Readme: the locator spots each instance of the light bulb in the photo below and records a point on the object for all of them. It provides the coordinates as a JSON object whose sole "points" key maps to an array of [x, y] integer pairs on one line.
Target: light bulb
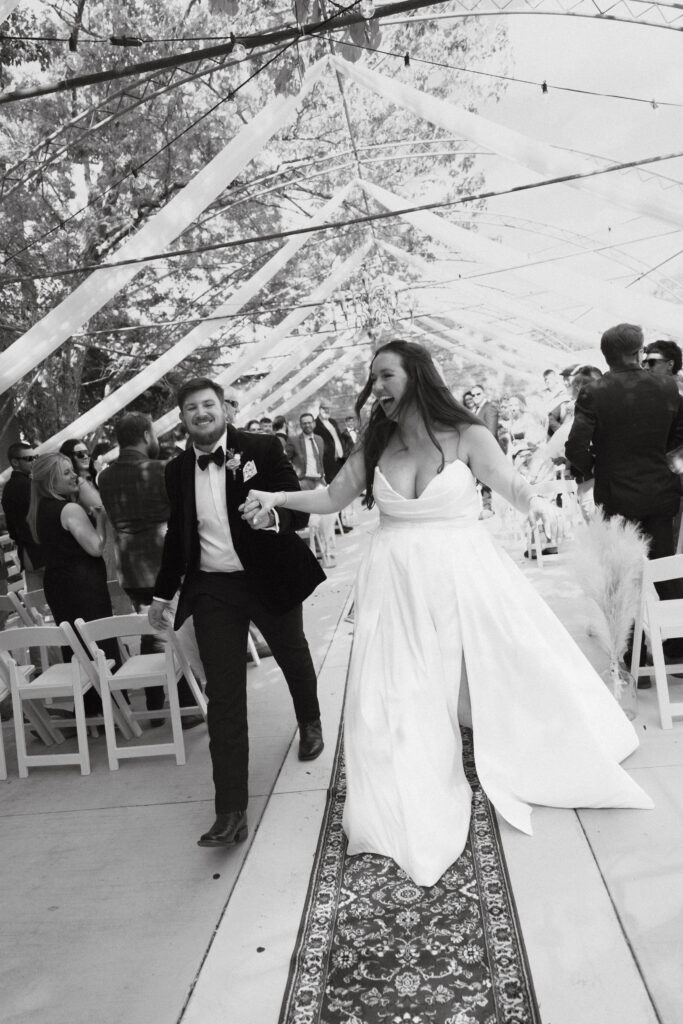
{"points": [[239, 52], [73, 61], [367, 8]]}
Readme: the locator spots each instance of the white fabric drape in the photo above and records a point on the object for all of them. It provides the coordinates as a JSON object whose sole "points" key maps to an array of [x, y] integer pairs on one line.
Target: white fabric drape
{"points": [[196, 338], [543, 160], [344, 360], [155, 236], [286, 392], [471, 345], [460, 290], [283, 330], [612, 301]]}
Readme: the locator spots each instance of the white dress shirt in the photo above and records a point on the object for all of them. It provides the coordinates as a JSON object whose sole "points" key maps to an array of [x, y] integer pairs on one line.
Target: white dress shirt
{"points": [[313, 468], [217, 551]]}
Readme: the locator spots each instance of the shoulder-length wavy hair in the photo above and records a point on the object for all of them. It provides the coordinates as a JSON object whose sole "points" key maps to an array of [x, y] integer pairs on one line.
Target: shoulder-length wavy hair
{"points": [[44, 482], [425, 389]]}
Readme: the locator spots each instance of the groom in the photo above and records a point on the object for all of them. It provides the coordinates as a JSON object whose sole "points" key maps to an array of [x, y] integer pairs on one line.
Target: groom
{"points": [[229, 574]]}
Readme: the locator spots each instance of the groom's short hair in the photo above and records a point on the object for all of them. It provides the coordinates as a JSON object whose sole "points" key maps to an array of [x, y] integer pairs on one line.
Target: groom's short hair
{"points": [[197, 384]]}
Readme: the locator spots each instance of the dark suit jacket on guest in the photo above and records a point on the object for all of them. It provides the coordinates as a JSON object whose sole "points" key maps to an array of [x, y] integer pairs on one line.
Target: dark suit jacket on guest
{"points": [[15, 501], [133, 492], [331, 462], [624, 424], [281, 566], [296, 452], [488, 414]]}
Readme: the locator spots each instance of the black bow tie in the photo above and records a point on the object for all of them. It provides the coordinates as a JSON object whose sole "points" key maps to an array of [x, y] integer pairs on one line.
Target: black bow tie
{"points": [[218, 457]]}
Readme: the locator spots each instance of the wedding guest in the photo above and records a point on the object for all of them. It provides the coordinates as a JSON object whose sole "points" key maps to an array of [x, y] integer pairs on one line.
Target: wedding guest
{"points": [[134, 496], [330, 432], [72, 541], [16, 497], [665, 359]]}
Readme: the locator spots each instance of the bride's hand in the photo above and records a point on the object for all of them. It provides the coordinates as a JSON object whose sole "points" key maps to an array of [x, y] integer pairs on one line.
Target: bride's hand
{"points": [[547, 514]]}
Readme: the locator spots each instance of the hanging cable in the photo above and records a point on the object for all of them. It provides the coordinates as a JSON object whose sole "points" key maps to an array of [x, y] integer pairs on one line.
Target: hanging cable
{"points": [[335, 225]]}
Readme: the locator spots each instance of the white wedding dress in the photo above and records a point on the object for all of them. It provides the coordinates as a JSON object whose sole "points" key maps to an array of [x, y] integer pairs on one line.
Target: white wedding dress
{"points": [[433, 587]]}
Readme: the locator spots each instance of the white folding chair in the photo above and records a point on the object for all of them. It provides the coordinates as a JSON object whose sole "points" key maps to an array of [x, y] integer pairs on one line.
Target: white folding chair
{"points": [[657, 621], [138, 671], [29, 691], [19, 615], [566, 491]]}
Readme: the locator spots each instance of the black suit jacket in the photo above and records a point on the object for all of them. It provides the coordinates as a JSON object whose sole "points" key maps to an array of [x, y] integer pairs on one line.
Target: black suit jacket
{"points": [[624, 424], [133, 493], [282, 567], [16, 496], [331, 462]]}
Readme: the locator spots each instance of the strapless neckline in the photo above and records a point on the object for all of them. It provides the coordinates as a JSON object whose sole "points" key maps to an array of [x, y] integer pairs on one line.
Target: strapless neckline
{"points": [[428, 484]]}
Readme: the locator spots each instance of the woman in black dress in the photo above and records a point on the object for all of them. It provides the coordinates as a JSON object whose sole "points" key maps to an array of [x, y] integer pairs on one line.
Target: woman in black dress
{"points": [[75, 581]]}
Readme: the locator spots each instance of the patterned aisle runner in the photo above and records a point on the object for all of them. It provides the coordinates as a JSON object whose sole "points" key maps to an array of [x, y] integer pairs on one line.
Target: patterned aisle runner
{"points": [[374, 948]]}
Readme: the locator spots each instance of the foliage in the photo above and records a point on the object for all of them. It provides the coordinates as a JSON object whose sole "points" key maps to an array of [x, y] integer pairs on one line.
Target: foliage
{"points": [[70, 197]]}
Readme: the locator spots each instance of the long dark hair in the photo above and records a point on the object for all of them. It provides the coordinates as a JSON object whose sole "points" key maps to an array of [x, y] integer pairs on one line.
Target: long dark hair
{"points": [[426, 389]]}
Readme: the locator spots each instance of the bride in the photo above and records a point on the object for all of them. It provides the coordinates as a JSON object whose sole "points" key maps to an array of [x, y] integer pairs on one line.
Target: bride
{"points": [[440, 607]]}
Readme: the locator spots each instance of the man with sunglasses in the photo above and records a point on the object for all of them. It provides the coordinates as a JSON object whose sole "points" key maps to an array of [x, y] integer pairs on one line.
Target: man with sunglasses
{"points": [[664, 359], [15, 500], [624, 425]]}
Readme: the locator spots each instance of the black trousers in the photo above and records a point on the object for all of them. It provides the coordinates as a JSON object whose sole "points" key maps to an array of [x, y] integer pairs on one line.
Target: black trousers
{"points": [[223, 605], [141, 597]]}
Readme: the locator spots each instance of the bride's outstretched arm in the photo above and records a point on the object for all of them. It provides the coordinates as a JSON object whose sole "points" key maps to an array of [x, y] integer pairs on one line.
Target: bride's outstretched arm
{"points": [[347, 485], [481, 451]]}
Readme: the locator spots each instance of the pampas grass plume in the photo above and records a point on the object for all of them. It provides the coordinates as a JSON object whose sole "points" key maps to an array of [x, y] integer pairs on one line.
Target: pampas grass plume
{"points": [[608, 558]]}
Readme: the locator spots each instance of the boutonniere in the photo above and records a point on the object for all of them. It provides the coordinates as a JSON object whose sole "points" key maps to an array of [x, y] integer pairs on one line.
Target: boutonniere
{"points": [[233, 461]]}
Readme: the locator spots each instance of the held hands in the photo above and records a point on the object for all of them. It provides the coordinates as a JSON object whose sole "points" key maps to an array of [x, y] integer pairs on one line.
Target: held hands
{"points": [[257, 510], [158, 616], [545, 513]]}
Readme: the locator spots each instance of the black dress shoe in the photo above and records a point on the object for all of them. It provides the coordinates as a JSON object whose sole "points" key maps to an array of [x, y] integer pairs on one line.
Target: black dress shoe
{"points": [[227, 829], [311, 740]]}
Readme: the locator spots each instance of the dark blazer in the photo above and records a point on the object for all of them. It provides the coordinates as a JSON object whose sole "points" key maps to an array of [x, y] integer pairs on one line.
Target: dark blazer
{"points": [[488, 414], [296, 452], [624, 424], [281, 565], [16, 496], [133, 492], [331, 462]]}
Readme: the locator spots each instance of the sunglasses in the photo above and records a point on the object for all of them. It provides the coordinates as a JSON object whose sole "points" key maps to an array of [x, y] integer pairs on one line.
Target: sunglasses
{"points": [[81, 455], [652, 361], [27, 458]]}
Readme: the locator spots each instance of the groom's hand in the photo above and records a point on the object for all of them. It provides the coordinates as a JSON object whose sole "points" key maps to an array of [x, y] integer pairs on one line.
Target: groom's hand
{"points": [[157, 615]]}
